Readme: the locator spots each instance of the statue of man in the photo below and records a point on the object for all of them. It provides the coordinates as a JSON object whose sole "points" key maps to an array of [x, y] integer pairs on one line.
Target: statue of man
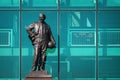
{"points": [[41, 36]]}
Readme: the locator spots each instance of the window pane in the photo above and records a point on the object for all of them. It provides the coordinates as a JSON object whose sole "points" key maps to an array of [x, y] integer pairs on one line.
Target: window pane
{"points": [[28, 49], [109, 45], [40, 4], [109, 4], [9, 4], [77, 48], [77, 4], [9, 45], [109, 19]]}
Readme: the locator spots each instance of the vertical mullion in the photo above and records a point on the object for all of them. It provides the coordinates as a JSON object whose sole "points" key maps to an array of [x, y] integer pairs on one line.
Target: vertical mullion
{"points": [[97, 40], [58, 39], [20, 39]]}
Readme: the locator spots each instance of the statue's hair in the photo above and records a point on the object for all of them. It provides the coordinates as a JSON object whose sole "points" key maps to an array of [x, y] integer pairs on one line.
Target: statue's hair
{"points": [[42, 15]]}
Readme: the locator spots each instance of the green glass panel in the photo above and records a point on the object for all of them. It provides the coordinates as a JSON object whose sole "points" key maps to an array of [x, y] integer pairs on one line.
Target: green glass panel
{"points": [[109, 20], [109, 42], [40, 4], [77, 4], [109, 4], [9, 45], [9, 4], [77, 46]]}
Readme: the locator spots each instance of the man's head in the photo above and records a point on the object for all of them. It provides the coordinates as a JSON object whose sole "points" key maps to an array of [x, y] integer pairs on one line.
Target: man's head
{"points": [[42, 17]]}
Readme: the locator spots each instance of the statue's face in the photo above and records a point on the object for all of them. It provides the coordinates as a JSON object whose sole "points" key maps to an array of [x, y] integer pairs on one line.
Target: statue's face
{"points": [[42, 18]]}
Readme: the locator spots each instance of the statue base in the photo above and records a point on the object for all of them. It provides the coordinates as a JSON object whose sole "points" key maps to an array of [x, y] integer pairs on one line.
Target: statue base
{"points": [[38, 75]]}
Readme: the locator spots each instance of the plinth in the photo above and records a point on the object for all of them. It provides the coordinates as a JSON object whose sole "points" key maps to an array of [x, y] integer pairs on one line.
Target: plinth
{"points": [[38, 75]]}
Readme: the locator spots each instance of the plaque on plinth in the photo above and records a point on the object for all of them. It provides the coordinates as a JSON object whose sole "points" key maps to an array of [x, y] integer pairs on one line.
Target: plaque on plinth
{"points": [[38, 75]]}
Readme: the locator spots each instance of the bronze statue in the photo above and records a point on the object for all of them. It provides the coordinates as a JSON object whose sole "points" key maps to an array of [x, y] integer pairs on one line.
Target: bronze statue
{"points": [[41, 36]]}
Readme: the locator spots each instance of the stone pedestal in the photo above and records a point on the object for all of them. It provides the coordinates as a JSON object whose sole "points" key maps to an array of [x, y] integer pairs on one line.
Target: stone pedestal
{"points": [[38, 75]]}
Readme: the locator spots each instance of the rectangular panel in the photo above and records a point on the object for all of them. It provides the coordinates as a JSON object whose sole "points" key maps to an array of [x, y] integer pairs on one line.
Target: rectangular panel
{"points": [[5, 37], [110, 38], [82, 38]]}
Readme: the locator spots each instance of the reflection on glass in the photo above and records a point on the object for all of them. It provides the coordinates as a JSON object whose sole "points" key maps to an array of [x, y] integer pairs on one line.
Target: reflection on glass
{"points": [[77, 45], [7, 4], [109, 4], [80, 19], [77, 4], [109, 44], [41, 4], [9, 45]]}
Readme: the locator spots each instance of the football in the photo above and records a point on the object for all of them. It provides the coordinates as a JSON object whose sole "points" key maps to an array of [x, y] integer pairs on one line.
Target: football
{"points": [[51, 44]]}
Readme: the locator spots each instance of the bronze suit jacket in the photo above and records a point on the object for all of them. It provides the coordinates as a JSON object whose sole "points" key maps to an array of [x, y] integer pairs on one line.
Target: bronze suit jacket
{"points": [[33, 31]]}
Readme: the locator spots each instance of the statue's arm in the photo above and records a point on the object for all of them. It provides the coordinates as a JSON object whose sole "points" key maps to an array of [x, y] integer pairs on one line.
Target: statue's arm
{"points": [[29, 29]]}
